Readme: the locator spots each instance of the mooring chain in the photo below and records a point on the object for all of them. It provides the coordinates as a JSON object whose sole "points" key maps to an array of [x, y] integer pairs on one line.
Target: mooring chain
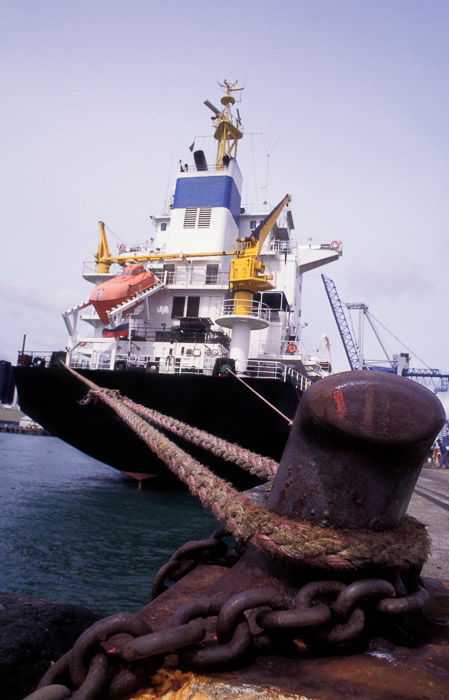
{"points": [[209, 551], [118, 654]]}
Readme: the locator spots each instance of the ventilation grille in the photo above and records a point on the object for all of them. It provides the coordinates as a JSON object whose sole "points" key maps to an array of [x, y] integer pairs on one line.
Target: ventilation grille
{"points": [[190, 217], [197, 217], [204, 217]]}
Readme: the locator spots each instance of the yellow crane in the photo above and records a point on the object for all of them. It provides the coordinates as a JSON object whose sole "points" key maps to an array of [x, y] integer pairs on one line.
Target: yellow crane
{"points": [[247, 274], [104, 259]]}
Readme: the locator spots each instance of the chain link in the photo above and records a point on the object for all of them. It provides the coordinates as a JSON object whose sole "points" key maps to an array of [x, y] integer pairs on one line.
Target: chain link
{"points": [[118, 654], [209, 551]]}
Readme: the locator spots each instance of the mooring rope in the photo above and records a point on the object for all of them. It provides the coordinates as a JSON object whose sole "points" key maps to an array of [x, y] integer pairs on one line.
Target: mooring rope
{"points": [[256, 464], [398, 548], [259, 396]]}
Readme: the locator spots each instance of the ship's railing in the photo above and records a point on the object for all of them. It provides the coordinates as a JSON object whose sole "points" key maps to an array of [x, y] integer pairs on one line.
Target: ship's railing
{"points": [[275, 246], [272, 369], [41, 358], [89, 268], [242, 307], [139, 331], [210, 168], [81, 362], [308, 243], [193, 275], [167, 364], [172, 274]]}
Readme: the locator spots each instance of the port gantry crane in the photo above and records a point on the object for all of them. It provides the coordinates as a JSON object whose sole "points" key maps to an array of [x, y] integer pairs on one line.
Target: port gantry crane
{"points": [[354, 349]]}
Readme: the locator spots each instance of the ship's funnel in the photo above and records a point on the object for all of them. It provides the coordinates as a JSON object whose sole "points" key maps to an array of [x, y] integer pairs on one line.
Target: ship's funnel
{"points": [[200, 160]]}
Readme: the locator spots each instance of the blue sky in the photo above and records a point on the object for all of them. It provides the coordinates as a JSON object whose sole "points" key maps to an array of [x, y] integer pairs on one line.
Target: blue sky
{"points": [[101, 99]]}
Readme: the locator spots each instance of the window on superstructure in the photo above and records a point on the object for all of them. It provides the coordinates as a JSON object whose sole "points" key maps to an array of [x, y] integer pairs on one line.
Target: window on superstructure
{"points": [[163, 226], [183, 306], [211, 274], [204, 217], [190, 217], [169, 270], [178, 307], [253, 224], [193, 306]]}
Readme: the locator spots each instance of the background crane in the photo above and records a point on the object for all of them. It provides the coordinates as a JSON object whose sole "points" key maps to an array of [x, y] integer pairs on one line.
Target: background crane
{"points": [[354, 349]]}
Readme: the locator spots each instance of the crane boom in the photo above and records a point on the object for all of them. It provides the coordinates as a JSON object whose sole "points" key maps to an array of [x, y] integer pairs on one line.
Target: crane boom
{"points": [[349, 344], [353, 351]]}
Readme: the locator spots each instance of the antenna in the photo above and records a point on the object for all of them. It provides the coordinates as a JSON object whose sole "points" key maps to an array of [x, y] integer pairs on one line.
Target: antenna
{"points": [[212, 108]]}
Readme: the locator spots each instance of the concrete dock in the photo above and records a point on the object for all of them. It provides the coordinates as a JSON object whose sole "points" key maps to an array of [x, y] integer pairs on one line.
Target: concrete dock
{"points": [[430, 504]]}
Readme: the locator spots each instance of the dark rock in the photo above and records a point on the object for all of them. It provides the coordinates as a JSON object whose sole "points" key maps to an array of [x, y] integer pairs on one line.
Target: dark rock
{"points": [[33, 633]]}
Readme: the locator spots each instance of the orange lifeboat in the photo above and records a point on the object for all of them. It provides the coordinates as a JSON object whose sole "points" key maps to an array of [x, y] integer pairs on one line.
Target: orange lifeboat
{"points": [[132, 280]]}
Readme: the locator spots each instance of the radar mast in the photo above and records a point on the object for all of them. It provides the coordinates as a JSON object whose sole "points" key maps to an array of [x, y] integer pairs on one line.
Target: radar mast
{"points": [[227, 125]]}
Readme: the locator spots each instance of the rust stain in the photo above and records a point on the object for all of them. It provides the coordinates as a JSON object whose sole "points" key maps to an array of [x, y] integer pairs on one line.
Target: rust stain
{"points": [[340, 404], [176, 685]]}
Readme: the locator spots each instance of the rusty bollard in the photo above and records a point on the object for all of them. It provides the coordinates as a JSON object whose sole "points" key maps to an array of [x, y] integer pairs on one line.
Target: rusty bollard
{"points": [[354, 454], [356, 450]]}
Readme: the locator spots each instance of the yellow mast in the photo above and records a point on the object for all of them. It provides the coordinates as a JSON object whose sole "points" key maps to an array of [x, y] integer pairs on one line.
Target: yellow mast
{"points": [[227, 127], [103, 252]]}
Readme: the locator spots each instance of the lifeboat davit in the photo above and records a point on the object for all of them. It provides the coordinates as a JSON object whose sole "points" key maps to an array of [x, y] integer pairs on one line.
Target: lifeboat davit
{"points": [[131, 281]]}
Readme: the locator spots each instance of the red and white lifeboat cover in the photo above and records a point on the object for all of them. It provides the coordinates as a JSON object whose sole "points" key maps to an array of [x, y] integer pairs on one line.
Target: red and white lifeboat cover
{"points": [[106, 295]]}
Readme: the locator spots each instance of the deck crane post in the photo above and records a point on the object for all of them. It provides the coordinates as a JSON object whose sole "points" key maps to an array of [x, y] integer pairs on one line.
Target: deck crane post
{"points": [[103, 253], [247, 276]]}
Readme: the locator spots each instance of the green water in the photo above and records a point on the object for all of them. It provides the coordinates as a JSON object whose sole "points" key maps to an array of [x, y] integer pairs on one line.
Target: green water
{"points": [[76, 531]]}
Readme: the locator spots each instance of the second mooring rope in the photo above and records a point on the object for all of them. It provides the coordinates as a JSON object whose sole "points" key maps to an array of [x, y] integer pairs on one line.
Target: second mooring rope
{"points": [[399, 548], [263, 467]]}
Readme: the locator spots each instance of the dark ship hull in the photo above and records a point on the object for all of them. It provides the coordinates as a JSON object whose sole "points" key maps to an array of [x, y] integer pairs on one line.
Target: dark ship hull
{"points": [[219, 405]]}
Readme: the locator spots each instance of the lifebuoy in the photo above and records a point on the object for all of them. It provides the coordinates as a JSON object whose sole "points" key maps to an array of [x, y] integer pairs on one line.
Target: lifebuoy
{"points": [[81, 345], [291, 348], [335, 245], [122, 248]]}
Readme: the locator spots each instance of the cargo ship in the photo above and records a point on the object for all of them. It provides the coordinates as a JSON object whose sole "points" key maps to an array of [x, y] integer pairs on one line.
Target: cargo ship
{"points": [[202, 322]]}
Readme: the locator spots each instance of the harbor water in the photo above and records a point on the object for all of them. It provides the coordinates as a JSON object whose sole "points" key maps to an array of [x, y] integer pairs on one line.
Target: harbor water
{"points": [[76, 531]]}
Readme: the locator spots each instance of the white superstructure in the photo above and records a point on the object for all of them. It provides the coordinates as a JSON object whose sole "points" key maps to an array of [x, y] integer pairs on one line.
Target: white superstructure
{"points": [[196, 318]]}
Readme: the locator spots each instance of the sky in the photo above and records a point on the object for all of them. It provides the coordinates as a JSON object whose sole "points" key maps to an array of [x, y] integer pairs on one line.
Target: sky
{"points": [[345, 107]]}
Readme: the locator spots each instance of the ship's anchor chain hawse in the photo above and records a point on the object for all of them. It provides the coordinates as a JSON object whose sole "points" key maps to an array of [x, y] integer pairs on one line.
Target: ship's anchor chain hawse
{"points": [[323, 559]]}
